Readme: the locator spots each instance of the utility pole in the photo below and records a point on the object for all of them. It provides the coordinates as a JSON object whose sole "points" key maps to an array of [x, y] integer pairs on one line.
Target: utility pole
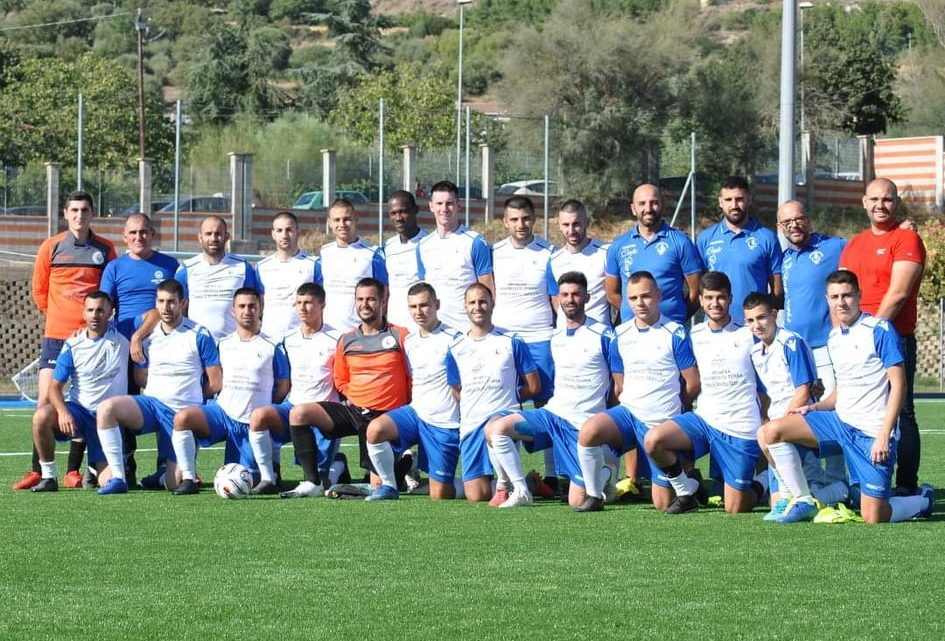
{"points": [[140, 27]]}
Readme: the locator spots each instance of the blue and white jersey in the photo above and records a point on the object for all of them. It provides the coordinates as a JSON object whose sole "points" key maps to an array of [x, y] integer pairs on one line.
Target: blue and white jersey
{"points": [[522, 300], [582, 371], [651, 359], [132, 284], [749, 257], [590, 261], [452, 263], [431, 393], [401, 262], [342, 268], [278, 282], [311, 359], [729, 397], [782, 367], [209, 290], [176, 361], [861, 354], [670, 256], [97, 367], [804, 273], [488, 369], [250, 371]]}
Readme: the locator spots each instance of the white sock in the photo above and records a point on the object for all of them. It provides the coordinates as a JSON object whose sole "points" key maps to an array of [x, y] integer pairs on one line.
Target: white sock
{"points": [[782, 489], [683, 485], [506, 454], [49, 470], [335, 471], [382, 456], [501, 477], [185, 449], [761, 478], [788, 462], [830, 494], [907, 507], [592, 461], [112, 446], [550, 467], [262, 451], [603, 478]]}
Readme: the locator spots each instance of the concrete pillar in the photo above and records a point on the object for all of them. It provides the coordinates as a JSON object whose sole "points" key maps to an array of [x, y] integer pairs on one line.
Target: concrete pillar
{"points": [[488, 179], [939, 173], [144, 185], [410, 168], [867, 158], [328, 179], [807, 167], [52, 198], [241, 201]]}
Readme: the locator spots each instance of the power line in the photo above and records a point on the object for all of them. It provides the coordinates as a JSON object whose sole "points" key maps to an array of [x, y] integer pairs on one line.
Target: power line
{"points": [[61, 22]]}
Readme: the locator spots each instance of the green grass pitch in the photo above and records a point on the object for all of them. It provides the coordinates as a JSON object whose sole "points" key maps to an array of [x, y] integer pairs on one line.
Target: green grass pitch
{"points": [[147, 565]]}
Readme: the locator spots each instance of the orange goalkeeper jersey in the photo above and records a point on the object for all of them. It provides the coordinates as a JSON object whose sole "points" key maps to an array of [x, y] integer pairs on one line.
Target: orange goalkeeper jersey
{"points": [[371, 370]]}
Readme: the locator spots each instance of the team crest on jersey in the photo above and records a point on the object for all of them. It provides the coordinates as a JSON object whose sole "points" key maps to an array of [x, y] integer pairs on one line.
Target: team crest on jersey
{"points": [[98, 258], [816, 256], [752, 242], [881, 251], [883, 323], [791, 344], [627, 253], [159, 274], [662, 247], [388, 342]]}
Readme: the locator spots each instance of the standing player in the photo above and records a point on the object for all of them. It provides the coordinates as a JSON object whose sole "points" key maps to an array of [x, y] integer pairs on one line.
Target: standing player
{"points": [[96, 362], [582, 382], [579, 254], [400, 256], [182, 368], [432, 418], [255, 373], [889, 260], [665, 252], [344, 263], [370, 371], [68, 266], [655, 380], [453, 257], [280, 275], [486, 367], [311, 351], [860, 416], [727, 412], [743, 250]]}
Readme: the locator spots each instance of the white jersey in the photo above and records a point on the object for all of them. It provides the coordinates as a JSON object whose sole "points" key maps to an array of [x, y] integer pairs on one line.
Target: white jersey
{"points": [[861, 355], [782, 367], [342, 268], [209, 290], [488, 370], [651, 360], [176, 362], [522, 299], [591, 262], [311, 359], [431, 393], [450, 264], [582, 371], [97, 367], [401, 261], [729, 397], [279, 280], [250, 371]]}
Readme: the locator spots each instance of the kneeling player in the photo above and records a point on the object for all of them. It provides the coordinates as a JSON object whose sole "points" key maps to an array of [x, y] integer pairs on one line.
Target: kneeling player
{"points": [[96, 361], [860, 416]]}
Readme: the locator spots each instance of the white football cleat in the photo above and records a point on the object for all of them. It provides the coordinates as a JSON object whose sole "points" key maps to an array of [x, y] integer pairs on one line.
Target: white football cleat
{"points": [[303, 490], [518, 499]]}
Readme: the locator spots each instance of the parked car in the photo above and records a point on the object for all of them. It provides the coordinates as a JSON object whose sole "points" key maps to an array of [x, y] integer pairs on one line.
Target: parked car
{"points": [[475, 193], [134, 208], [216, 204], [316, 199], [527, 188], [25, 210]]}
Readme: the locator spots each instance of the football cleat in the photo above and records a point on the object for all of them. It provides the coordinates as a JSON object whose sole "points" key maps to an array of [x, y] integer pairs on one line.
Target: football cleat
{"points": [[72, 480], [46, 485], [590, 504], [501, 496], [114, 486], [778, 510], [518, 498], [264, 488], [29, 480], [683, 504], [187, 486], [303, 490], [383, 493], [800, 510], [927, 491]]}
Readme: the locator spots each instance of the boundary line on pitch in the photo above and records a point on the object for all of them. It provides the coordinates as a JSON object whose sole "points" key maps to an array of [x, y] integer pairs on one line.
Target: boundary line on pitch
{"points": [[213, 448]]}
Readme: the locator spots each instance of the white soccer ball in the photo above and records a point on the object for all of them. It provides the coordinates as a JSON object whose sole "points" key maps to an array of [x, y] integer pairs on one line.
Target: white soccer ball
{"points": [[232, 481]]}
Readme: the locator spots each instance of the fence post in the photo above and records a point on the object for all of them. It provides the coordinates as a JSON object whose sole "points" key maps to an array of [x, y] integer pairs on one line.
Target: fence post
{"points": [[410, 167], [144, 186], [328, 179], [241, 202], [867, 159], [52, 198], [488, 179]]}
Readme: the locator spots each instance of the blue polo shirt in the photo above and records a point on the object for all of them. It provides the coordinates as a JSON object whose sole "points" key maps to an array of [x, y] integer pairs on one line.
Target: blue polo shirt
{"points": [[132, 284], [670, 256], [805, 273], [748, 257]]}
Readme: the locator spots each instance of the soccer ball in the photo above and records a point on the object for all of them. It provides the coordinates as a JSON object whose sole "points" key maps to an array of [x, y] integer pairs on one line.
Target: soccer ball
{"points": [[232, 481]]}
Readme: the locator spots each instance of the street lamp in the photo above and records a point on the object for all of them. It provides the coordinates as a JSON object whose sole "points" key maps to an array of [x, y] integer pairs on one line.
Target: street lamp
{"points": [[459, 85], [141, 26]]}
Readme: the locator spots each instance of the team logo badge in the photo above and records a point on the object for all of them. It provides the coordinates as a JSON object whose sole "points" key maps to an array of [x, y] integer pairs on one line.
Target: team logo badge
{"points": [[98, 258], [159, 274], [752, 242], [388, 342], [816, 257], [661, 247]]}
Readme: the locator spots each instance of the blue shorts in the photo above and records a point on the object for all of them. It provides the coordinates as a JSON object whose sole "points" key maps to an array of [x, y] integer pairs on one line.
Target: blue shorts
{"points": [[875, 478], [50, 352], [541, 354], [632, 432], [235, 433], [736, 457], [550, 430], [86, 428], [439, 446], [325, 448], [158, 419], [475, 454]]}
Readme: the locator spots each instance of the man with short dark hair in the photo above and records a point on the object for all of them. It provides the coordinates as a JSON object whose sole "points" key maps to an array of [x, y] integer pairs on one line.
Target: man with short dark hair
{"points": [[400, 256], [583, 254]]}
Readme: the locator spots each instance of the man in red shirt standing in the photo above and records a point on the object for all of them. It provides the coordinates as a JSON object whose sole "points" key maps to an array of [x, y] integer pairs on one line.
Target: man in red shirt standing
{"points": [[889, 260]]}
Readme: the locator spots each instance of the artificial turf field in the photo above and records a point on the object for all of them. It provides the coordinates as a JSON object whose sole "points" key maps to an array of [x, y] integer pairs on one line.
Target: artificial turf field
{"points": [[148, 565]]}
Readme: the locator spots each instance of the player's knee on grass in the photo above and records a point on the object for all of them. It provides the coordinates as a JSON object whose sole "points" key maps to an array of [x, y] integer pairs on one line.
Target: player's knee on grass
{"points": [[737, 502], [478, 489], [442, 491], [576, 495], [661, 496], [875, 510]]}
